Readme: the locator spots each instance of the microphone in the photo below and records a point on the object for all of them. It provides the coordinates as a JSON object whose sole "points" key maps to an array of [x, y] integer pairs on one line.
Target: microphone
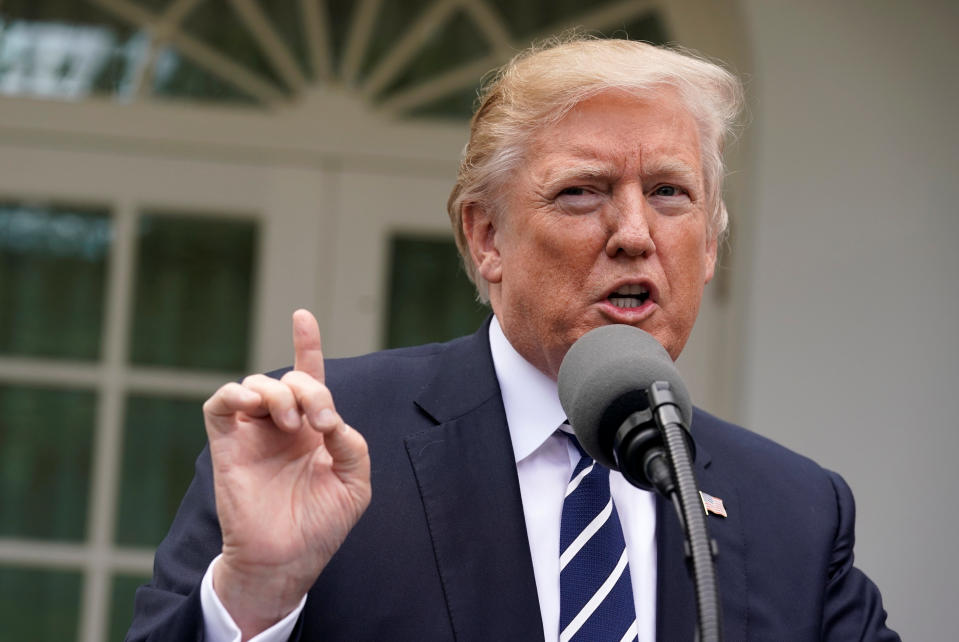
{"points": [[606, 386], [630, 411]]}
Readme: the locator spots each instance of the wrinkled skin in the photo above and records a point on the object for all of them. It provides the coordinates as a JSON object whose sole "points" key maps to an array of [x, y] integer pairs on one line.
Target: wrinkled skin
{"points": [[612, 195], [291, 479]]}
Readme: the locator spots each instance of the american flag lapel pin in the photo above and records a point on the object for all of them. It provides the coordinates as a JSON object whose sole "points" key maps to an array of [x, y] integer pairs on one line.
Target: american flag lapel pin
{"points": [[713, 505]]}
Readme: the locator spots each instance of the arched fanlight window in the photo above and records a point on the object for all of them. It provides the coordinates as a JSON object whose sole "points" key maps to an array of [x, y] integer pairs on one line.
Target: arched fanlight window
{"points": [[408, 58]]}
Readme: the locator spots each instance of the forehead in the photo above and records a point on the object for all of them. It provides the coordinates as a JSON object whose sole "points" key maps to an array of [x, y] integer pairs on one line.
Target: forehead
{"points": [[622, 132]]}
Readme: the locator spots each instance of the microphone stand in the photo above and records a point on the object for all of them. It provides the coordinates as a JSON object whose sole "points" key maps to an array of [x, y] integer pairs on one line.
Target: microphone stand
{"points": [[653, 449]]}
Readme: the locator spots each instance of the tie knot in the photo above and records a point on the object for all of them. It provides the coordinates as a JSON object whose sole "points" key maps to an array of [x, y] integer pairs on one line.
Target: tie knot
{"points": [[567, 431]]}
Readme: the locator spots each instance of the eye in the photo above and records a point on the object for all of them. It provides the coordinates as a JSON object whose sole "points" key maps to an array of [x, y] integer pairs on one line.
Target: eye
{"points": [[670, 199], [667, 190], [579, 199]]}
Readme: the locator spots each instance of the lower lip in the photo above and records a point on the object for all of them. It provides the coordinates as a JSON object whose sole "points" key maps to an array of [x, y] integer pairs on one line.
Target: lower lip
{"points": [[628, 315]]}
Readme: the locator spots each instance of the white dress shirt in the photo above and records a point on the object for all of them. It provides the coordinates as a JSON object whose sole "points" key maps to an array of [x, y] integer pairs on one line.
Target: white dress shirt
{"points": [[544, 464]]}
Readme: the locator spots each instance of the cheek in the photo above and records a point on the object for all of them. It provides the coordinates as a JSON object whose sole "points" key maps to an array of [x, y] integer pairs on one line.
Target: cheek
{"points": [[687, 266], [550, 243]]}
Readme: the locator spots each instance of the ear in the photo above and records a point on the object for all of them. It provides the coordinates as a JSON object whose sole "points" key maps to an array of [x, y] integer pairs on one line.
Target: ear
{"points": [[711, 250], [480, 230]]}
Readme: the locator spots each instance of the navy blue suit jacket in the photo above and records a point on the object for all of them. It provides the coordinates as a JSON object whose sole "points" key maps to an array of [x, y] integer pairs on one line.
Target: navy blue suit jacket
{"points": [[442, 552]]}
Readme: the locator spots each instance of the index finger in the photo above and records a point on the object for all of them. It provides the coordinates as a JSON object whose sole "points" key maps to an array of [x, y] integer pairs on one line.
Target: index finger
{"points": [[306, 345]]}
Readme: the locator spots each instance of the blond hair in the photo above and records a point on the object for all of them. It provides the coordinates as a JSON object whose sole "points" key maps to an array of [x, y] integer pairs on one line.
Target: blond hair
{"points": [[542, 84]]}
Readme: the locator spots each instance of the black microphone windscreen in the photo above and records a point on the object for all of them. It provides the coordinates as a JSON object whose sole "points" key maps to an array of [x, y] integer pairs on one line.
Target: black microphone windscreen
{"points": [[602, 379]]}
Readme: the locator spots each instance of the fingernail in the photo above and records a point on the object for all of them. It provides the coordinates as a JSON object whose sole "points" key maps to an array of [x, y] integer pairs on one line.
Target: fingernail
{"points": [[292, 418], [325, 418]]}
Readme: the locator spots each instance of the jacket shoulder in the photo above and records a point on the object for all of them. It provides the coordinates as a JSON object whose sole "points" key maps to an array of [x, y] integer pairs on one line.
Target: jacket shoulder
{"points": [[753, 455]]}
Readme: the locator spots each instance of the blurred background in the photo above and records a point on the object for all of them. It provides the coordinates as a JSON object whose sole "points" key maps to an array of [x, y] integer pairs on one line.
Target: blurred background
{"points": [[176, 176]]}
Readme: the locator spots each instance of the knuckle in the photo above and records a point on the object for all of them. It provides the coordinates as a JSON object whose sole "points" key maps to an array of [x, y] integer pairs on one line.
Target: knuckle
{"points": [[294, 378], [252, 380], [323, 391], [218, 398], [228, 388]]}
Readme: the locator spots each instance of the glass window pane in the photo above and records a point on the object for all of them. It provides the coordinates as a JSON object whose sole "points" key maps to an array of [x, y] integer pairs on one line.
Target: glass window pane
{"points": [[121, 606], [430, 297], [176, 76], [39, 604], [650, 27], [536, 16], [217, 25], [45, 450], [457, 43], [53, 264], [393, 21], [286, 16], [67, 50], [340, 16], [193, 295], [162, 438]]}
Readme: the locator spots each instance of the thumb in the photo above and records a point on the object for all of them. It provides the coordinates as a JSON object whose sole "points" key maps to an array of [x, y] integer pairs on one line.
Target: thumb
{"points": [[306, 345]]}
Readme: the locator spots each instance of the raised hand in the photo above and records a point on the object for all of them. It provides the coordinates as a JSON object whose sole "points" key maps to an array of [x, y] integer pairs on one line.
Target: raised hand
{"points": [[291, 480]]}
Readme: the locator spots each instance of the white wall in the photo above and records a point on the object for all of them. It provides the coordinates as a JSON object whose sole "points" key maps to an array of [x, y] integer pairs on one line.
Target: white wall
{"points": [[852, 310]]}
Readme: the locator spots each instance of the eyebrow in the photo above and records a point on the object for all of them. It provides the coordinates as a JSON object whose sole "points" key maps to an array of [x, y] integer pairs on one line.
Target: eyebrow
{"points": [[580, 171], [670, 168]]}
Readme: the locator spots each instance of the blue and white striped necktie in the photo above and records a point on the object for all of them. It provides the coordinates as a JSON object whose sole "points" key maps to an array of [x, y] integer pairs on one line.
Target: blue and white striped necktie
{"points": [[596, 593]]}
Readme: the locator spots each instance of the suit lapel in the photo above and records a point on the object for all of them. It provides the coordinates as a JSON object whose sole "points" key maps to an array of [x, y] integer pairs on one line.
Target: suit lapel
{"points": [[676, 602], [466, 476]]}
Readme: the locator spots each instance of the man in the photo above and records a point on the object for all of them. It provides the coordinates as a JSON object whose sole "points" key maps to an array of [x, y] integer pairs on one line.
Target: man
{"points": [[589, 194]]}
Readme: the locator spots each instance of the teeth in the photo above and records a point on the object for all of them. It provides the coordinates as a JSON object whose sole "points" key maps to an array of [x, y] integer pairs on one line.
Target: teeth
{"points": [[632, 289], [629, 296]]}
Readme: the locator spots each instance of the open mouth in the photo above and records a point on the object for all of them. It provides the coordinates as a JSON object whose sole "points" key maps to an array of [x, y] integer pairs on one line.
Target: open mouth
{"points": [[629, 296]]}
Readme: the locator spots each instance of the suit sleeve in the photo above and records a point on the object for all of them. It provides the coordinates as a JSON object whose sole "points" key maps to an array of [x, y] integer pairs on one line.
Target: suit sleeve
{"points": [[853, 608], [169, 608]]}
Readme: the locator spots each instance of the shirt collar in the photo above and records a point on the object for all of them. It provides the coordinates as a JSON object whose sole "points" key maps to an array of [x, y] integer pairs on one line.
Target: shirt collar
{"points": [[530, 398]]}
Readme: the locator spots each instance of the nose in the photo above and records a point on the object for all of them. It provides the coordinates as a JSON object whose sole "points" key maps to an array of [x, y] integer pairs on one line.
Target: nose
{"points": [[629, 231]]}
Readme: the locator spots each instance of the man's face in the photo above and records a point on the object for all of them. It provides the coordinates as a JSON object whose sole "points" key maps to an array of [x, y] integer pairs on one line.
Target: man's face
{"points": [[605, 223]]}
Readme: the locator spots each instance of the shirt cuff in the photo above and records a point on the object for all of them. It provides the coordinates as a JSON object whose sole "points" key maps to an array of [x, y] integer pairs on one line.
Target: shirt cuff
{"points": [[220, 627]]}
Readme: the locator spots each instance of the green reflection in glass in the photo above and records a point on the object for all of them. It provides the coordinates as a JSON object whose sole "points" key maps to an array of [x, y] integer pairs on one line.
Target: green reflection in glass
{"points": [[458, 42], [65, 49], [430, 297], [161, 440], [393, 20], [534, 18], [121, 606], [45, 446], [53, 264], [175, 76], [216, 24], [648, 27], [531, 17], [340, 17], [286, 16], [193, 292], [39, 604]]}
